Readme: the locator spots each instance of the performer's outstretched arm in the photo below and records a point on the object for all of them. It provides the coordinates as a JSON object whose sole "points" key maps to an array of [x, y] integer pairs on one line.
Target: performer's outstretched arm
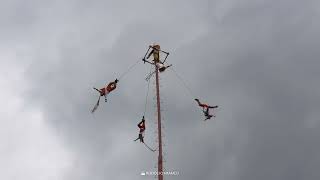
{"points": [[213, 107]]}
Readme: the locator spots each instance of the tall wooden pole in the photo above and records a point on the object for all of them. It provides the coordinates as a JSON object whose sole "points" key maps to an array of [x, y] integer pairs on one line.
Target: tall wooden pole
{"points": [[160, 167]]}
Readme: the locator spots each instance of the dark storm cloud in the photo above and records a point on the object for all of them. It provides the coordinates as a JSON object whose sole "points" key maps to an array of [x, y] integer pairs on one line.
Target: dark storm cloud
{"points": [[256, 59]]}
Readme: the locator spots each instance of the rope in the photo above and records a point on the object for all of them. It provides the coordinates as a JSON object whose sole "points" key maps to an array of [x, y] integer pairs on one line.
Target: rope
{"points": [[183, 82], [128, 70], [150, 75], [146, 101], [153, 150]]}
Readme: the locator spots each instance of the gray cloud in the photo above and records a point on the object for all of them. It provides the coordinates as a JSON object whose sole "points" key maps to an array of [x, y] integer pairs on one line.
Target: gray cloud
{"points": [[256, 59]]}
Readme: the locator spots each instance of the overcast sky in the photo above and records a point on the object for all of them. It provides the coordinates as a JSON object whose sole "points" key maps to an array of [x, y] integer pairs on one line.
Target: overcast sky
{"points": [[257, 59]]}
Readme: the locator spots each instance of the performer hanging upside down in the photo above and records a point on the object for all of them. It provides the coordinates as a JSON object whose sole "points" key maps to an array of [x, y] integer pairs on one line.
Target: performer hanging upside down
{"points": [[142, 128], [205, 109], [106, 90]]}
